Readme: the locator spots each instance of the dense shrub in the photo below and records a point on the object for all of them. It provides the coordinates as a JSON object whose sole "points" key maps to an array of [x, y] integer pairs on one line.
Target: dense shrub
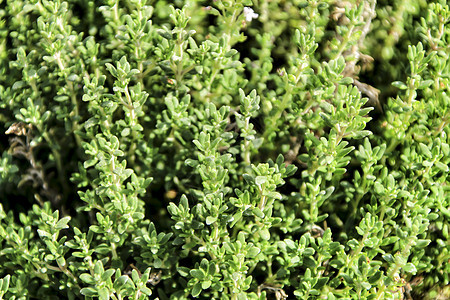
{"points": [[230, 149]]}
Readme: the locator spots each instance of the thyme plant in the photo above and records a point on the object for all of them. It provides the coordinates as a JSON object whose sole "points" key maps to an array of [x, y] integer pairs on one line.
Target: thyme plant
{"points": [[228, 149]]}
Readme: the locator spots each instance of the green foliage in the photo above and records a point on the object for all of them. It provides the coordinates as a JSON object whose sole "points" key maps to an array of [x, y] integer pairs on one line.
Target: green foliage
{"points": [[238, 149]]}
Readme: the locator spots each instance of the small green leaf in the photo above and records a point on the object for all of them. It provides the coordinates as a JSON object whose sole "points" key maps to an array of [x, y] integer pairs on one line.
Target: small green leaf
{"points": [[107, 275], [196, 290], [98, 267], [441, 166], [88, 292], [72, 77], [42, 234], [4, 283], [425, 150], [366, 285], [400, 85], [61, 261], [389, 240], [259, 180], [236, 218], [258, 212], [361, 134], [253, 252], [145, 290], [122, 280], [183, 271], [135, 276], [103, 293], [125, 132], [424, 84], [265, 234], [422, 243], [88, 278], [410, 268], [62, 224], [374, 279], [197, 273], [210, 220], [206, 284]]}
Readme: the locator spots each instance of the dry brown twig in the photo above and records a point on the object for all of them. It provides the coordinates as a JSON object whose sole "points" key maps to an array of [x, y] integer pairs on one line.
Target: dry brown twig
{"points": [[34, 174]]}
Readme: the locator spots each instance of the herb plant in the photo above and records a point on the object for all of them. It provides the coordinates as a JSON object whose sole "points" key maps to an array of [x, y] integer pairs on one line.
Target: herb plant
{"points": [[228, 149]]}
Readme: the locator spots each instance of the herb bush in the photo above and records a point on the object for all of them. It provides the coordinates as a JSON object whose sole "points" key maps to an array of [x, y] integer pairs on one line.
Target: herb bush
{"points": [[228, 149]]}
